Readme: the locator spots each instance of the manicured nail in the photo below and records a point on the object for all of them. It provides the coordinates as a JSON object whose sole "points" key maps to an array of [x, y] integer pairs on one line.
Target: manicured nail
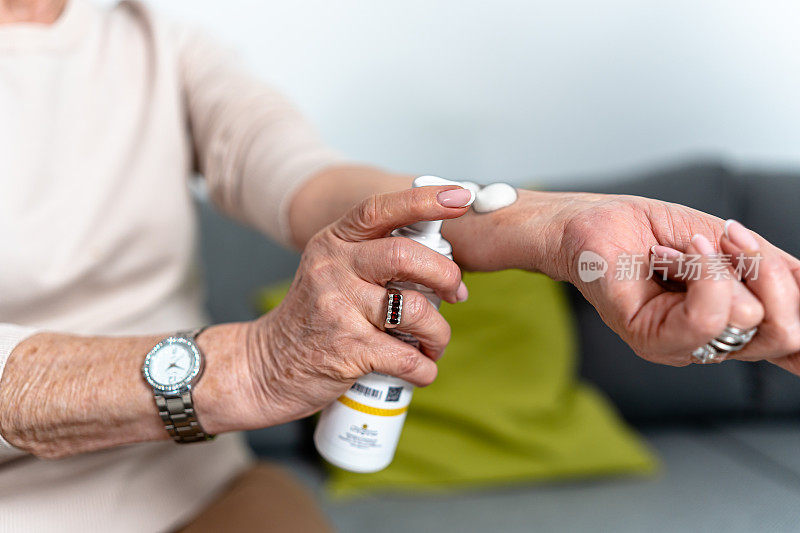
{"points": [[455, 197], [665, 252], [703, 245], [462, 293], [471, 185], [740, 236]]}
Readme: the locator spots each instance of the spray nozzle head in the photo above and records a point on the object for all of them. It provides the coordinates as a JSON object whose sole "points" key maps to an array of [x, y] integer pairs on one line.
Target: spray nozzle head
{"points": [[429, 227], [428, 232], [424, 181]]}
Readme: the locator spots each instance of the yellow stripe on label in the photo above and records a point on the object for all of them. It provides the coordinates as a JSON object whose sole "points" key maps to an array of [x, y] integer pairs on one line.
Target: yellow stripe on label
{"points": [[352, 404]]}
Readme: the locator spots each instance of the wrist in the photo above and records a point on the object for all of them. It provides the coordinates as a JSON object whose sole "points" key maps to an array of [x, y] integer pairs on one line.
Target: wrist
{"points": [[538, 223], [223, 396], [526, 235]]}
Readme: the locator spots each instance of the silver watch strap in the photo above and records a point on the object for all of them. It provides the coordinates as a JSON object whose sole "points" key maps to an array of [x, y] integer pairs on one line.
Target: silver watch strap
{"points": [[177, 411], [179, 418]]}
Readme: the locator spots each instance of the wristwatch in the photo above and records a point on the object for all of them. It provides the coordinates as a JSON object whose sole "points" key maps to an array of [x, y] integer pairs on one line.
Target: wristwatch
{"points": [[172, 368]]}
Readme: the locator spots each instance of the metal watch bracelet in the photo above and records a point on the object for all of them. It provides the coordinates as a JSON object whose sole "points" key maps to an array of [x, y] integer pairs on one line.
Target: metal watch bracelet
{"points": [[180, 419], [177, 411]]}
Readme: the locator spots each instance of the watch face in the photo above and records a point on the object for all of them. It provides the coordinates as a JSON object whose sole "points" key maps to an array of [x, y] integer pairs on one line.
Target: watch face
{"points": [[172, 364]]}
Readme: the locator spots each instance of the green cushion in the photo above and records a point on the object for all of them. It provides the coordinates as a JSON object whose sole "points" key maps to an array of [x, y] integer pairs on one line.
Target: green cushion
{"points": [[507, 406]]}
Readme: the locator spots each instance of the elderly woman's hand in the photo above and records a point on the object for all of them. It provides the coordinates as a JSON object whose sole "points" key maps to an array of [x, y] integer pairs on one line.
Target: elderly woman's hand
{"points": [[663, 322], [328, 330], [643, 239]]}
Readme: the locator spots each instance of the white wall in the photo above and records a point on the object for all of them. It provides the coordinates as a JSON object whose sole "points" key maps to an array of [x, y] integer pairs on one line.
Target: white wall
{"points": [[515, 89]]}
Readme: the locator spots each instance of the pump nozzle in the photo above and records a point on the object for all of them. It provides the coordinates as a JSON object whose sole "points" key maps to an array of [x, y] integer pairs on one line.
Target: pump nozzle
{"points": [[429, 227]]}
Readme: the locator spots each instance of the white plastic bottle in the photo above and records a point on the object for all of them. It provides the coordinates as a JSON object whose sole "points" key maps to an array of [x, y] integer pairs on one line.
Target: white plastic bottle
{"points": [[360, 431]]}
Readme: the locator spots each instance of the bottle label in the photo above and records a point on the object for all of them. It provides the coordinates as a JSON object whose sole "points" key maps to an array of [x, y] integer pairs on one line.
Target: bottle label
{"points": [[370, 415], [379, 394]]}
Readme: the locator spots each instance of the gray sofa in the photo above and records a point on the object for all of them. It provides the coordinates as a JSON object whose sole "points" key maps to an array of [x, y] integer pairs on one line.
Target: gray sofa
{"points": [[728, 434]]}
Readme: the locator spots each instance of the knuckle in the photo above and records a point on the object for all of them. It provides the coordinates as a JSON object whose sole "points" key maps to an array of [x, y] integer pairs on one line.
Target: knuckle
{"points": [[451, 275], [418, 196], [793, 345], [400, 255], [426, 380], [447, 333], [418, 201], [408, 362], [768, 269], [321, 267], [369, 212], [707, 325], [345, 363], [327, 302], [444, 335], [342, 318], [319, 258], [787, 337], [346, 371], [749, 314], [415, 306]]}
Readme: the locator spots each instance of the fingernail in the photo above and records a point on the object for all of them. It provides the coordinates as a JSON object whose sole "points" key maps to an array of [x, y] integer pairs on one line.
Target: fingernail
{"points": [[703, 245], [665, 252], [455, 197], [462, 293], [740, 236]]}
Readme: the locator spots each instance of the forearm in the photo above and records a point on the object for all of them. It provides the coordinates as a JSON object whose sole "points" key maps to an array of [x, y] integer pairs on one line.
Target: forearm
{"points": [[62, 394], [525, 235], [331, 192]]}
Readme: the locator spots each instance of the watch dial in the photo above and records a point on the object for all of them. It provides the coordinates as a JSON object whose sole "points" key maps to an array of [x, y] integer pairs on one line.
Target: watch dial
{"points": [[171, 364]]}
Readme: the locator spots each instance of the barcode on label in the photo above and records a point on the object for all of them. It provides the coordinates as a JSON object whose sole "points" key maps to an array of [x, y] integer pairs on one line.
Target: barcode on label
{"points": [[366, 391]]}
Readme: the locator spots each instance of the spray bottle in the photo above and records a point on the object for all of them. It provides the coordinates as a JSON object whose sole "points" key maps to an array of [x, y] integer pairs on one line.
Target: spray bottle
{"points": [[360, 431]]}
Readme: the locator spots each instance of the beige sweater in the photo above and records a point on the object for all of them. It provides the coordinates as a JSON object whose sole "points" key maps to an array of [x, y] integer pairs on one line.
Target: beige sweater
{"points": [[102, 118]]}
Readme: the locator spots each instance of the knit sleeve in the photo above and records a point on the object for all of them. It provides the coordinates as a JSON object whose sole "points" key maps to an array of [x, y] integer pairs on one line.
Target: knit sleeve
{"points": [[252, 146]]}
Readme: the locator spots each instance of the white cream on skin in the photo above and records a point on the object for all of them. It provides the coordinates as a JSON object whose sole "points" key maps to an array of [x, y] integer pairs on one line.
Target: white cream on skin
{"points": [[493, 197]]}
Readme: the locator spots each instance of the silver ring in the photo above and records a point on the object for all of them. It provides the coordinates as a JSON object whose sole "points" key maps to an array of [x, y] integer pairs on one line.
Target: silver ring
{"points": [[394, 309], [732, 339]]}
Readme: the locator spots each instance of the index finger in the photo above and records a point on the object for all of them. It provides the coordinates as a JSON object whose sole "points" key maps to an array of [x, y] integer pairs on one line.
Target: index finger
{"points": [[379, 214]]}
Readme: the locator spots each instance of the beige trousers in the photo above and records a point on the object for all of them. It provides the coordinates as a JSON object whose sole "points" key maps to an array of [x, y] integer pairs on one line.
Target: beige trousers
{"points": [[264, 498]]}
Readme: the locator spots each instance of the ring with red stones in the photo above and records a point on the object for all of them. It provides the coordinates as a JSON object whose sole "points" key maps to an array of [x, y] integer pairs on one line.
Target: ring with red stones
{"points": [[394, 309]]}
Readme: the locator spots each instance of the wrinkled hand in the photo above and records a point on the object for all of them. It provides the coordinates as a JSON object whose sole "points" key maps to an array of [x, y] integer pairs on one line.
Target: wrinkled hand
{"points": [[665, 322], [327, 331]]}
